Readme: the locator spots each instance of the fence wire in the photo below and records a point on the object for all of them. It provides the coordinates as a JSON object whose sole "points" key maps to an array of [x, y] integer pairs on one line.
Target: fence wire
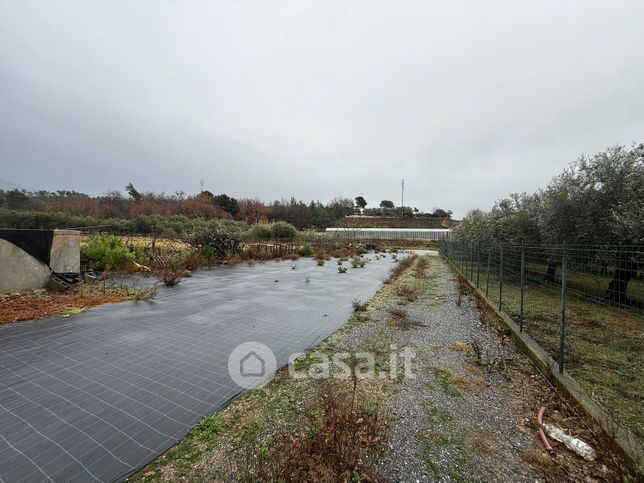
{"points": [[583, 304]]}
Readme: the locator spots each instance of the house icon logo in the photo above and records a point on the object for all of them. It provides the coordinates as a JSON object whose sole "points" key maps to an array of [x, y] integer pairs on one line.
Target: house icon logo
{"points": [[251, 364]]}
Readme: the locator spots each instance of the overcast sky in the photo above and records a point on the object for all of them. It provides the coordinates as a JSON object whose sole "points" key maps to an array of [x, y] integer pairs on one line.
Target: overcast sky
{"points": [[467, 100]]}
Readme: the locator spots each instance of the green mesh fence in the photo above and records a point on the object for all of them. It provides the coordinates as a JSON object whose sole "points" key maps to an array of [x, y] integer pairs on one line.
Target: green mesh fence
{"points": [[583, 304]]}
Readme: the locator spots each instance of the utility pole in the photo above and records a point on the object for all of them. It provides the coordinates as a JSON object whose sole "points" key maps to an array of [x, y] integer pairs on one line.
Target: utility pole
{"points": [[402, 198]]}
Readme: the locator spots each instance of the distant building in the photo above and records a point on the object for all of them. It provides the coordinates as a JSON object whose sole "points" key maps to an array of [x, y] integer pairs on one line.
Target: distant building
{"points": [[390, 233]]}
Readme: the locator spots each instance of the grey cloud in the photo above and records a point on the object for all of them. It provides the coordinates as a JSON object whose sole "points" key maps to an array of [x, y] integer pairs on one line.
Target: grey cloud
{"points": [[466, 100]]}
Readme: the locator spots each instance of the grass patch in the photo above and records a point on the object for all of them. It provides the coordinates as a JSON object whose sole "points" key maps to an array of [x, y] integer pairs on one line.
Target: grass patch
{"points": [[603, 349], [440, 415], [207, 428], [445, 381]]}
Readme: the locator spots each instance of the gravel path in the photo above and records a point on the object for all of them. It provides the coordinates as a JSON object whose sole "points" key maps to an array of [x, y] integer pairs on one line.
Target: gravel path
{"points": [[455, 417], [469, 412]]}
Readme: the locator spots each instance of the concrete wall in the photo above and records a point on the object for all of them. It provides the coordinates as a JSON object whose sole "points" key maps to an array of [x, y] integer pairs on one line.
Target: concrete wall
{"points": [[19, 270], [65, 251]]}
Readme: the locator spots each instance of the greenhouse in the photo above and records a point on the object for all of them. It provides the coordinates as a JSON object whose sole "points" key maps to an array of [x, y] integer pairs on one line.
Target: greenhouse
{"points": [[391, 233]]}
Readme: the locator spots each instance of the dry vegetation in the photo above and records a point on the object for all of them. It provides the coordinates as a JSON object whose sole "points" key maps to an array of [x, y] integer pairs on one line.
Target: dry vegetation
{"points": [[39, 304]]}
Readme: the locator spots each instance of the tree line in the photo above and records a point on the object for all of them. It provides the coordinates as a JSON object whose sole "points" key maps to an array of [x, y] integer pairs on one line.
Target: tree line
{"points": [[597, 200], [136, 205]]}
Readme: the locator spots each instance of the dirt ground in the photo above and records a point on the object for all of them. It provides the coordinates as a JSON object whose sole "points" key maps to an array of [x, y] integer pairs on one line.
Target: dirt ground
{"points": [[43, 303], [469, 414]]}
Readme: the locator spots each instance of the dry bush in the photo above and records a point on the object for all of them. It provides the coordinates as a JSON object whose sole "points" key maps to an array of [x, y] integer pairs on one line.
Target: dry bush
{"points": [[339, 434], [169, 267], [406, 291], [321, 255], [399, 268], [401, 319], [359, 306], [342, 253], [421, 266]]}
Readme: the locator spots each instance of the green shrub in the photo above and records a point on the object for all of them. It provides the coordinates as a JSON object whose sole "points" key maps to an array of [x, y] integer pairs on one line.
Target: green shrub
{"points": [[107, 252], [342, 269], [281, 230], [214, 245], [261, 231], [306, 250]]}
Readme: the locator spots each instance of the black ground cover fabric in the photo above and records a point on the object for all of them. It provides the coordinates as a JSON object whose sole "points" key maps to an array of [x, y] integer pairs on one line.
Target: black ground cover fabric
{"points": [[36, 243], [95, 396]]}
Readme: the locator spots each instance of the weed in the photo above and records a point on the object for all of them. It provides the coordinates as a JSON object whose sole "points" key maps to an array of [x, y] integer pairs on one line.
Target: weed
{"points": [[396, 271], [421, 266], [461, 346], [144, 293], [401, 319], [398, 312], [440, 415], [342, 269], [169, 268], [357, 262], [405, 290], [320, 262], [306, 250], [444, 379], [107, 252], [340, 431], [359, 306], [207, 428]]}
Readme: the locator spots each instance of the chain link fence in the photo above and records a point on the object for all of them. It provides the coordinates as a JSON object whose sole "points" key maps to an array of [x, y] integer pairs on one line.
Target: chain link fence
{"points": [[583, 304]]}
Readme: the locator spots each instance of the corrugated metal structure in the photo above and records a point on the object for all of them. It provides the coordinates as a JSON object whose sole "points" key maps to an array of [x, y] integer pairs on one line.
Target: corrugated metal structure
{"points": [[390, 233]]}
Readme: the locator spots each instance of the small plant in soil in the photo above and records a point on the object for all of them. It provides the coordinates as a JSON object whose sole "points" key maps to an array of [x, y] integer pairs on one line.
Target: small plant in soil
{"points": [[306, 250], [401, 319], [359, 306], [342, 269]]}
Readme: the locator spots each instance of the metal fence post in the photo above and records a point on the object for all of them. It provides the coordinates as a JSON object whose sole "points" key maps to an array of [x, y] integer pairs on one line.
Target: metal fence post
{"points": [[487, 283], [472, 262], [562, 313], [464, 257], [501, 280], [522, 313], [478, 264]]}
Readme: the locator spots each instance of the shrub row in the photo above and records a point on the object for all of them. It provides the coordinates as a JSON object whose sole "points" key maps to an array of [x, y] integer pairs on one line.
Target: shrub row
{"points": [[167, 226]]}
